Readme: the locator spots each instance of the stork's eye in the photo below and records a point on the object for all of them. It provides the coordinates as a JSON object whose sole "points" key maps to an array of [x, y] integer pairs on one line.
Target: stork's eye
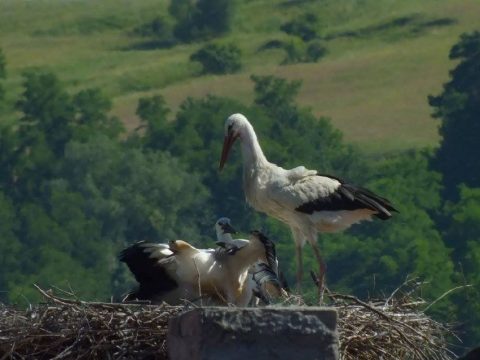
{"points": [[230, 127]]}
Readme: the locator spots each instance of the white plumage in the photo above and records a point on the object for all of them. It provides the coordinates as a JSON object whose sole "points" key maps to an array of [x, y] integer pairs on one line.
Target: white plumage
{"points": [[263, 278], [224, 231], [178, 271], [303, 199]]}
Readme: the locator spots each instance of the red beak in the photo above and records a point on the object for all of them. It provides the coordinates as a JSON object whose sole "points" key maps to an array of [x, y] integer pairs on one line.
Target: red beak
{"points": [[227, 145]]}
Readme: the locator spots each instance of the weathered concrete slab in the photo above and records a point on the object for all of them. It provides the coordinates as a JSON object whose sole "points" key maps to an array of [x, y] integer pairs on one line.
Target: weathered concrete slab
{"points": [[219, 333]]}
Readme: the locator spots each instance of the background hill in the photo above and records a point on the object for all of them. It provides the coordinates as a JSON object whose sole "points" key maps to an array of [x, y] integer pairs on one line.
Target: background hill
{"points": [[384, 58]]}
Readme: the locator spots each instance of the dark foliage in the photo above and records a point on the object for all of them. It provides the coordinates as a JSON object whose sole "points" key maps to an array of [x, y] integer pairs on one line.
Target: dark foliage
{"points": [[302, 46], [305, 27], [159, 31], [218, 59], [458, 107], [315, 51], [201, 19], [3, 73]]}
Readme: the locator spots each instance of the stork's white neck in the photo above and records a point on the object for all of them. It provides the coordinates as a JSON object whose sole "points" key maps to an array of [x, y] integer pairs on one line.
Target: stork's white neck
{"points": [[252, 153], [221, 236]]}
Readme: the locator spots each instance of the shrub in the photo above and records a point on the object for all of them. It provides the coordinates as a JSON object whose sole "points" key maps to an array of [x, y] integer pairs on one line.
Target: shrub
{"points": [[160, 30], [218, 59], [295, 50], [305, 27], [315, 51], [201, 19]]}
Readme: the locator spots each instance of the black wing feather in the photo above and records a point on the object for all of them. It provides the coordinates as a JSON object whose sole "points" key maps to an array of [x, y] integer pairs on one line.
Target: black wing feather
{"points": [[152, 277], [270, 251], [349, 197]]}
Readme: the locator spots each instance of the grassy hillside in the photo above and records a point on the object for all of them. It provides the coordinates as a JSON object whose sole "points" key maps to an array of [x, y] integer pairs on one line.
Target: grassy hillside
{"points": [[384, 57]]}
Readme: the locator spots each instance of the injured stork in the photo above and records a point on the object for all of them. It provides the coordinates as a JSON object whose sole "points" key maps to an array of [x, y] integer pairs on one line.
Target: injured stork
{"points": [[305, 200], [178, 271]]}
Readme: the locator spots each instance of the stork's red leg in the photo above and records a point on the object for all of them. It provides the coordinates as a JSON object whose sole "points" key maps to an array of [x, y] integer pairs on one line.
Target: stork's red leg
{"points": [[298, 249], [299, 242], [322, 271]]}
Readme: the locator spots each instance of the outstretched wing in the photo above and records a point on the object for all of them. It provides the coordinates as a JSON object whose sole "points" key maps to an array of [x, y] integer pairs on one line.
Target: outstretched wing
{"points": [[150, 263]]}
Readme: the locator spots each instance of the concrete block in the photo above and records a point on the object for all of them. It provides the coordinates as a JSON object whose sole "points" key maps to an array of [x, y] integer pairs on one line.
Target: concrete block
{"points": [[221, 333]]}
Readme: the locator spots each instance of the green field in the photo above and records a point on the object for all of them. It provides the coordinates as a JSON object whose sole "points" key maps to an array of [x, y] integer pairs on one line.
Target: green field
{"points": [[373, 83]]}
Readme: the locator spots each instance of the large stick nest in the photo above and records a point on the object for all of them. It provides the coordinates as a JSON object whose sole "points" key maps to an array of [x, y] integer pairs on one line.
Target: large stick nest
{"points": [[61, 328]]}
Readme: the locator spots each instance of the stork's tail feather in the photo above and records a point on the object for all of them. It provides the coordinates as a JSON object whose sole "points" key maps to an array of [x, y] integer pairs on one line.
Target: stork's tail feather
{"points": [[381, 205]]}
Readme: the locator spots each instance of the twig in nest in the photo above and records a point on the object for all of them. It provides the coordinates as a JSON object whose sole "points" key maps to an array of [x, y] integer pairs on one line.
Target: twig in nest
{"points": [[392, 329]]}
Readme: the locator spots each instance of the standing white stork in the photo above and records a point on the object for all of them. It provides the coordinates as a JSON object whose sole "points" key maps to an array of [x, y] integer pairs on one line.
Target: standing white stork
{"points": [[305, 200]]}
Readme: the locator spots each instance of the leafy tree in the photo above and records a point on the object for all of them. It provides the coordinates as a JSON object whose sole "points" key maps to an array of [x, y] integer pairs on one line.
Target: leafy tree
{"points": [[304, 26], [62, 247], [218, 59], [315, 51], [138, 195], [47, 110], [300, 47], [201, 19], [51, 118], [153, 112], [276, 95], [10, 247], [458, 107], [215, 15], [159, 27], [181, 9], [296, 50], [159, 30], [43, 131], [8, 156], [2, 74], [92, 108], [463, 235], [79, 193]]}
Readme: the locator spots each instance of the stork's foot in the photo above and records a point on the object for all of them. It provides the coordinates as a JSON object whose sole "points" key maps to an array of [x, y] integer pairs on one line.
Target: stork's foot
{"points": [[319, 281]]}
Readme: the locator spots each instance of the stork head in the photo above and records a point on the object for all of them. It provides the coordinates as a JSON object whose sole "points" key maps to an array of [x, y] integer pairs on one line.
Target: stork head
{"points": [[233, 130], [223, 226]]}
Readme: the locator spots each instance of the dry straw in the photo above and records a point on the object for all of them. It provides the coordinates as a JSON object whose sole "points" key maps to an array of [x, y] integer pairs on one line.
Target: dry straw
{"points": [[62, 328]]}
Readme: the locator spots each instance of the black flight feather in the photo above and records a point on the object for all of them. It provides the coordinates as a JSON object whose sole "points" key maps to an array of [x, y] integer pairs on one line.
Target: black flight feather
{"points": [[349, 197], [153, 278], [270, 251]]}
